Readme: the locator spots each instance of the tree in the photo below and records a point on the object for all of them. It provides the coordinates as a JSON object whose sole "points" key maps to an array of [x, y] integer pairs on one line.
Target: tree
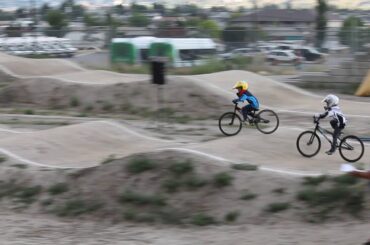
{"points": [[321, 22], [20, 13], [210, 27], [137, 8], [353, 33], [234, 35], [6, 15], [159, 8], [138, 20], [44, 11], [91, 20], [119, 9], [57, 21]]}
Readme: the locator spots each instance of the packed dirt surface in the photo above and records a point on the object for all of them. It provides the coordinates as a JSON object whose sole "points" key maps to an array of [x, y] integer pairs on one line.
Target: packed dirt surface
{"points": [[40, 229], [35, 67], [110, 223], [86, 152]]}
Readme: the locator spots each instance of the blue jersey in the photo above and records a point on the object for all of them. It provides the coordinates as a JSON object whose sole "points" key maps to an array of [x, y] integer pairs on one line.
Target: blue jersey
{"points": [[248, 96]]}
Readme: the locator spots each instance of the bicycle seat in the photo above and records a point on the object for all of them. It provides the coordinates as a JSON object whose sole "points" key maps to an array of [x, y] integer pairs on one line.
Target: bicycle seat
{"points": [[254, 109]]}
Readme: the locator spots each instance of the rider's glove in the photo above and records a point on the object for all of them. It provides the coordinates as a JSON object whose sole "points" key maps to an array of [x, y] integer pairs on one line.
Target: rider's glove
{"points": [[235, 101], [316, 117]]}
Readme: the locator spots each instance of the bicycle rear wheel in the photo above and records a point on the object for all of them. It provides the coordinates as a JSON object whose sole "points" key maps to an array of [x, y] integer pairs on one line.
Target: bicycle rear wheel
{"points": [[230, 124], [308, 144], [267, 121], [351, 148]]}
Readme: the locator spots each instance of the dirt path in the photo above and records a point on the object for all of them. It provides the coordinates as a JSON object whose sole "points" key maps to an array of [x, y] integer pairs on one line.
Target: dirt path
{"points": [[27, 229]]}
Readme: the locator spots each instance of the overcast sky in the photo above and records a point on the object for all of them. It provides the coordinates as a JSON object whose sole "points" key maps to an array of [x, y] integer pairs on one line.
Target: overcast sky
{"points": [[364, 4]]}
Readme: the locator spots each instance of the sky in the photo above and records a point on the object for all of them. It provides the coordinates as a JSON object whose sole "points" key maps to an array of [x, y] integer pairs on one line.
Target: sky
{"points": [[352, 4]]}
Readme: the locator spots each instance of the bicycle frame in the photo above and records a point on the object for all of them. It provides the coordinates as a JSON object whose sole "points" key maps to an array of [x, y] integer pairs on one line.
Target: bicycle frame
{"points": [[324, 132], [239, 110]]}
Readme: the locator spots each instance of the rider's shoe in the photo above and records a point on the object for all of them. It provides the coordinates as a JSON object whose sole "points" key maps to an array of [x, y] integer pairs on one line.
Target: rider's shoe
{"points": [[330, 152]]}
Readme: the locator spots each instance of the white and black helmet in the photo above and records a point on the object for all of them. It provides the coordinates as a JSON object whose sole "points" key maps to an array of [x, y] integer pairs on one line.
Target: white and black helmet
{"points": [[331, 100]]}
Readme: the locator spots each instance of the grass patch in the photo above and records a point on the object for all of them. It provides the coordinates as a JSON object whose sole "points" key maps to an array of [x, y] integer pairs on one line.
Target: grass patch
{"points": [[89, 108], [107, 107], [277, 207], [181, 168], [194, 182], [28, 194], [74, 102], [47, 202], [244, 166], [28, 112], [3, 159], [19, 165], [77, 207], [232, 216], [338, 197], [142, 199], [314, 181], [279, 190], [58, 188], [109, 159], [345, 179], [248, 196], [222, 179], [171, 185], [139, 165], [202, 219]]}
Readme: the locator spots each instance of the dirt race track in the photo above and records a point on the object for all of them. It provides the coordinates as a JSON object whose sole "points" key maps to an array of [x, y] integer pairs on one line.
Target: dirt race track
{"points": [[89, 144], [70, 146]]}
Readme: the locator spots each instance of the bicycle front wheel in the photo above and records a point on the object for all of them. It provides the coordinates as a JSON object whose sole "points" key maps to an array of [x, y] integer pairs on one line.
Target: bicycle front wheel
{"points": [[230, 124], [351, 148], [308, 144], [267, 121]]}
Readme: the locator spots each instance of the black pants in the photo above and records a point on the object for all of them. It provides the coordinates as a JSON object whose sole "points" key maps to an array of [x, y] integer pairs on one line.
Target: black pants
{"points": [[338, 127], [247, 110]]}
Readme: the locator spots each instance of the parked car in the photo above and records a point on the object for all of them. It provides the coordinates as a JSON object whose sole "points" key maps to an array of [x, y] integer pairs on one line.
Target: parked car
{"points": [[309, 53], [246, 52], [282, 56]]}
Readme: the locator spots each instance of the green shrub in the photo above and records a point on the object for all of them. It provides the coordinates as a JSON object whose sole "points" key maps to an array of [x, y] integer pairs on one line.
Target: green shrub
{"points": [[77, 207], [107, 106], [277, 207], [139, 165], [279, 190], [314, 181], [20, 165], [2, 158], [244, 166], [27, 194], [181, 168], [28, 112], [345, 179], [58, 188], [142, 199], [171, 185], [222, 179], [109, 159], [203, 220], [171, 216], [323, 197], [129, 215], [232, 216], [194, 182], [74, 102], [47, 202], [248, 196], [341, 197], [89, 108]]}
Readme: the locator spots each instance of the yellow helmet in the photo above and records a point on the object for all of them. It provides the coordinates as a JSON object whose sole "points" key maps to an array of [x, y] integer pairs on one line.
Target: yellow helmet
{"points": [[241, 84]]}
